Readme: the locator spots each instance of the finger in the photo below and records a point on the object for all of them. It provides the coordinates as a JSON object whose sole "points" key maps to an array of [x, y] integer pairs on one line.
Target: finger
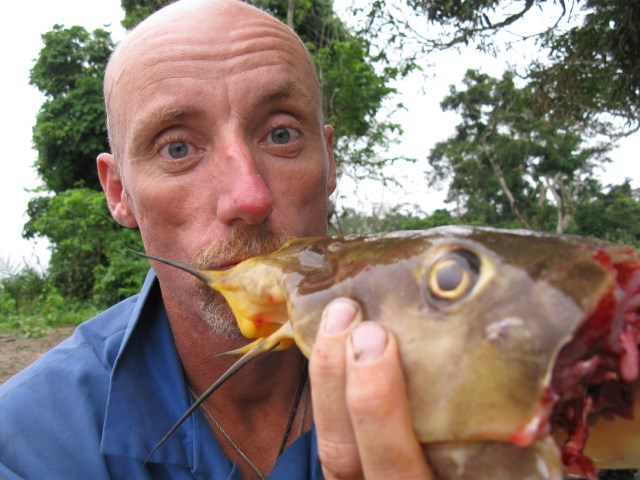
{"points": [[379, 407], [327, 370]]}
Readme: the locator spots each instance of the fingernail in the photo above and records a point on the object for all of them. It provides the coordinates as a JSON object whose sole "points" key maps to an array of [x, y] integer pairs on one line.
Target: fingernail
{"points": [[339, 314], [368, 341]]}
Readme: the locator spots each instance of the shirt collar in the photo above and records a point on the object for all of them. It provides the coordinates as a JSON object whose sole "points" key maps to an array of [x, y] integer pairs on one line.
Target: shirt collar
{"points": [[147, 392]]}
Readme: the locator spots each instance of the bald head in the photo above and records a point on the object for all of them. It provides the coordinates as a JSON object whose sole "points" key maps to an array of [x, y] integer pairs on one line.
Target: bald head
{"points": [[217, 31]]}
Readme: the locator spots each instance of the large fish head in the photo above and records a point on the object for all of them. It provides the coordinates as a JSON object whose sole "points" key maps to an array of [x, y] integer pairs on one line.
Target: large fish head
{"points": [[480, 316]]}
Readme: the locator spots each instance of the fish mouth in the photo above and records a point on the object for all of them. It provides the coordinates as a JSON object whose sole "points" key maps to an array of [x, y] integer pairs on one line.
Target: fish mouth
{"points": [[230, 263]]}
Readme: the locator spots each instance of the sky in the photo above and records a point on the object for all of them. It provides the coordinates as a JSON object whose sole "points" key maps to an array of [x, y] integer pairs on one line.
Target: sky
{"points": [[422, 121]]}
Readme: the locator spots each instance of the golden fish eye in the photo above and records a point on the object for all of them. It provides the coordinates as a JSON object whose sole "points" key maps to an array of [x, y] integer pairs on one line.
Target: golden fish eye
{"points": [[453, 276]]}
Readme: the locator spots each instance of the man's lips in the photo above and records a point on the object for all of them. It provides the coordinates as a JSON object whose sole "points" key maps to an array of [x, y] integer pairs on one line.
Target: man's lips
{"points": [[232, 263], [226, 266]]}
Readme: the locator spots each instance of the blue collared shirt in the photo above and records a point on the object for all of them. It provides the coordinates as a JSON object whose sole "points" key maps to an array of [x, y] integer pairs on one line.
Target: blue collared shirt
{"points": [[95, 406]]}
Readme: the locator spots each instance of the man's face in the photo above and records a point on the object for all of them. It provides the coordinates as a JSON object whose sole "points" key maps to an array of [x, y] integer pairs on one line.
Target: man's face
{"points": [[220, 136]]}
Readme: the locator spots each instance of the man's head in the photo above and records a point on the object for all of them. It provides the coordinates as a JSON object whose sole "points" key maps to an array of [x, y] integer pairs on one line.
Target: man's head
{"points": [[216, 127]]}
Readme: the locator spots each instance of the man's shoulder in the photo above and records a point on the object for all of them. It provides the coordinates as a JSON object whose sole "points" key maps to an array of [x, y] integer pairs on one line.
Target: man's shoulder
{"points": [[67, 388], [104, 333]]}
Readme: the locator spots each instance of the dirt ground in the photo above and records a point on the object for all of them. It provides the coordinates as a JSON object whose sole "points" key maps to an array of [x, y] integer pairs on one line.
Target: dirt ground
{"points": [[16, 353]]}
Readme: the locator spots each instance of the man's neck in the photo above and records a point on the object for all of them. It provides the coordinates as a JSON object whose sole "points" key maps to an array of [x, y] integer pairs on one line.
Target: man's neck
{"points": [[254, 406]]}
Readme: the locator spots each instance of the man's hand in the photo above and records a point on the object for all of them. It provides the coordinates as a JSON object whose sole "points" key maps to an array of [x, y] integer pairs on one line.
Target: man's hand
{"points": [[360, 405]]}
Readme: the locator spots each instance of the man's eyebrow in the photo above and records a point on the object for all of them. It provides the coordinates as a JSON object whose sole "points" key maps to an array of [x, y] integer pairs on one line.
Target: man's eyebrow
{"points": [[148, 124], [173, 113], [285, 91]]}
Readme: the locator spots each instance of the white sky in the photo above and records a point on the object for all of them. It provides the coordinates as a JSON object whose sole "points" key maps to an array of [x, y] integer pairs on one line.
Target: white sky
{"points": [[423, 123]]}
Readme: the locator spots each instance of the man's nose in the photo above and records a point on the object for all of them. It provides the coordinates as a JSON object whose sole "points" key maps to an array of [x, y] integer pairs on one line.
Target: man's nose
{"points": [[244, 194]]}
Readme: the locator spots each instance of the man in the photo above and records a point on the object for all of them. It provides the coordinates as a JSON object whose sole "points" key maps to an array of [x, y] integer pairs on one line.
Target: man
{"points": [[219, 153]]}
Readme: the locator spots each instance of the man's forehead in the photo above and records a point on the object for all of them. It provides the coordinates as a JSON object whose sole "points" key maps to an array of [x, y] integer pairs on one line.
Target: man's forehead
{"points": [[205, 22], [256, 38], [277, 92]]}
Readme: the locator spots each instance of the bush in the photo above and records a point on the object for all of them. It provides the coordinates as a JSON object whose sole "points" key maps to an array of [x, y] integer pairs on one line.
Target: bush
{"points": [[30, 304]]}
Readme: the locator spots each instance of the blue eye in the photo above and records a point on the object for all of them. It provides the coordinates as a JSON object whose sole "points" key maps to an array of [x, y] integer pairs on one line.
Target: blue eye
{"points": [[177, 150], [282, 136]]}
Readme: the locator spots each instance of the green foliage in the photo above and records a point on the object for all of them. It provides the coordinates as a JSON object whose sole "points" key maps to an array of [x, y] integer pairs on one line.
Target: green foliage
{"points": [[448, 11], [122, 274], [138, 10], [30, 304], [87, 258], [21, 289], [583, 72], [508, 164], [595, 67], [422, 26], [612, 215], [70, 128], [389, 219], [88, 264], [353, 94]]}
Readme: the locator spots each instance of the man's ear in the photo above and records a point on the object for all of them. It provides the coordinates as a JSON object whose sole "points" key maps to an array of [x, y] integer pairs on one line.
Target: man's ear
{"points": [[111, 182], [331, 179]]}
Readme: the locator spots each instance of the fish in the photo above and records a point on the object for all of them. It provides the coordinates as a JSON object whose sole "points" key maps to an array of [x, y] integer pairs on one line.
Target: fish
{"points": [[519, 348]]}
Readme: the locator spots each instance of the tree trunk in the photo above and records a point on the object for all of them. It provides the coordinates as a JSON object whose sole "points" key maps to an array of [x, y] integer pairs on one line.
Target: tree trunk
{"points": [[503, 183]]}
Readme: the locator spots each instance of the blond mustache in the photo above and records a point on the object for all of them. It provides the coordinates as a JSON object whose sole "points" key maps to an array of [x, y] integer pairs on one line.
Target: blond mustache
{"points": [[244, 242]]}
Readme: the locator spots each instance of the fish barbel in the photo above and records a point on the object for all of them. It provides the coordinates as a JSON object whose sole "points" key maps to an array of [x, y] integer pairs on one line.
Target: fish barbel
{"points": [[518, 347]]}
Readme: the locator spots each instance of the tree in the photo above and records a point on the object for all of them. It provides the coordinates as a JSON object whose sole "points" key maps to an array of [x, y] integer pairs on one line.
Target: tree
{"points": [[389, 219], [86, 245], [137, 10], [449, 23], [508, 164], [584, 71], [70, 128], [69, 132], [595, 68], [612, 215]]}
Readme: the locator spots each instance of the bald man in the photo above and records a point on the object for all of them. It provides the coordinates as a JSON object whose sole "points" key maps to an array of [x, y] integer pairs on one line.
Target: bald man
{"points": [[219, 153]]}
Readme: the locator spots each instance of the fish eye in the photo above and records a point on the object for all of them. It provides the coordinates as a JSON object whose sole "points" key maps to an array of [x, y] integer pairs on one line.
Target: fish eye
{"points": [[453, 275]]}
